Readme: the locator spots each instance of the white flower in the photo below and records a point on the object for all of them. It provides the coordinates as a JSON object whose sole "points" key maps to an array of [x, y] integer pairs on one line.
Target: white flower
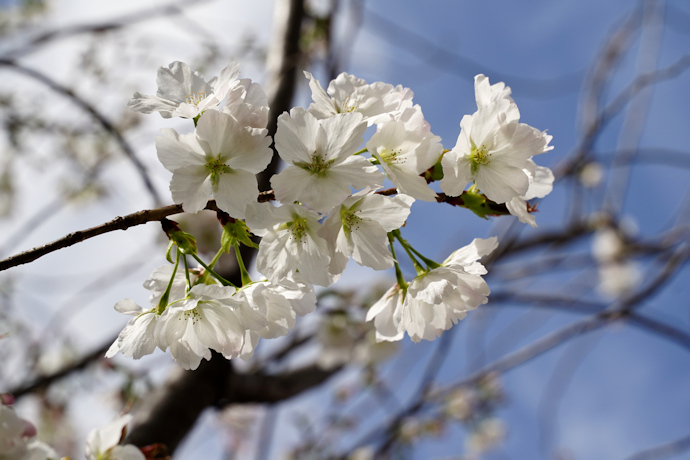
{"points": [[541, 184], [103, 443], [278, 305], [359, 227], [16, 435], [182, 92], [618, 274], [221, 159], [617, 278], [404, 155], [137, 339], [347, 93], [346, 339], [493, 151], [436, 299], [322, 167], [247, 102], [37, 450], [487, 435], [387, 315], [486, 94], [17, 439], [158, 280], [210, 318], [290, 243]]}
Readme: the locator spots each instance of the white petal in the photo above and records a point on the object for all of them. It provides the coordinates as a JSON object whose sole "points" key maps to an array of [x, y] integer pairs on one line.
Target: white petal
{"points": [[176, 151], [235, 190], [295, 138], [191, 186]]}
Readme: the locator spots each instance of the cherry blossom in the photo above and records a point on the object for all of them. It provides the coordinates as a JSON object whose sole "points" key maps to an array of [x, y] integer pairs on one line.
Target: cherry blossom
{"points": [[437, 298], [290, 243], [221, 159], [541, 184], [321, 165], [493, 149], [136, 339], [209, 318], [347, 93], [182, 92], [406, 153], [17, 438], [103, 442], [359, 227]]}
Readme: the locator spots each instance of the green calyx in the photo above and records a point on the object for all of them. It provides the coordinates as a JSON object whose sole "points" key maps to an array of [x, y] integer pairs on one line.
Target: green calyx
{"points": [[477, 203], [185, 242], [435, 173], [236, 232]]}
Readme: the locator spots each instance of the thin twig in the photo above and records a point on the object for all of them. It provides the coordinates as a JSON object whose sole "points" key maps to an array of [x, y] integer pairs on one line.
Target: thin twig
{"points": [[118, 23], [96, 115], [662, 451]]}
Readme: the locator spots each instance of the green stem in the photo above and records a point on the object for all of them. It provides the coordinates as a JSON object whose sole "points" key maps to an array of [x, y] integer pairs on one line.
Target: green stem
{"points": [[246, 279], [359, 152], [188, 285], [398, 273], [417, 266], [222, 280], [431, 264], [215, 258], [163, 302]]}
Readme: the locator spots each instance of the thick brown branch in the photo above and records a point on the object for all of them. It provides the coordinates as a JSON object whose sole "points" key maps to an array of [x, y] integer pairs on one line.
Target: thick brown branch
{"points": [[214, 383]]}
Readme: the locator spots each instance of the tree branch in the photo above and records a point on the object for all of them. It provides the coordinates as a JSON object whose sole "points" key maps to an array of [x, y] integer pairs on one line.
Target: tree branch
{"points": [[114, 24], [95, 114]]}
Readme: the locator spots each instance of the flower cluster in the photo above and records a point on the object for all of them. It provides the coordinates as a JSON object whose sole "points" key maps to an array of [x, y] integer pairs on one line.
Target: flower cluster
{"points": [[328, 206]]}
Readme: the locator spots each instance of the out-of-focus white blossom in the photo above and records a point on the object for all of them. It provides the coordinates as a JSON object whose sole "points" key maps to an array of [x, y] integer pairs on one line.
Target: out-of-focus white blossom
{"points": [[488, 434], [618, 274], [591, 174], [103, 443]]}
